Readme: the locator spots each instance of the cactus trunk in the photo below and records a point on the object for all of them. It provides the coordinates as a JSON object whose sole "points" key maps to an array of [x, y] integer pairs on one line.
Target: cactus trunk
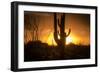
{"points": [[61, 33], [61, 24]]}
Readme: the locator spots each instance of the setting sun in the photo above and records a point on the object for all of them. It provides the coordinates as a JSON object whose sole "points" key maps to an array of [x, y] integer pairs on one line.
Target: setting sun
{"points": [[72, 39], [68, 40]]}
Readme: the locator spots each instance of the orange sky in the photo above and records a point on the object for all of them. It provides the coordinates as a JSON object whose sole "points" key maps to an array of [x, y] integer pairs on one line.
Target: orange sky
{"points": [[78, 23]]}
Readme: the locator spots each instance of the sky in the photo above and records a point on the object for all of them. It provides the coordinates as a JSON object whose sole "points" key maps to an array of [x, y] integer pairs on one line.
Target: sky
{"points": [[78, 23]]}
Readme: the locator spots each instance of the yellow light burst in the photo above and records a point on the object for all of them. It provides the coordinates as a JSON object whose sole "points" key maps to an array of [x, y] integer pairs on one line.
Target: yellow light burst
{"points": [[51, 40], [72, 39], [68, 40]]}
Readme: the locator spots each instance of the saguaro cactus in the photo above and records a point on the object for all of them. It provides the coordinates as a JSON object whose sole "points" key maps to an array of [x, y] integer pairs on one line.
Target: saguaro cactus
{"points": [[61, 33]]}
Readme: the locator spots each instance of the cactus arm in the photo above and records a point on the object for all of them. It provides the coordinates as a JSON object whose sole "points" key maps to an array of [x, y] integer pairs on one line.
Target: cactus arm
{"points": [[55, 29], [63, 20], [68, 33]]}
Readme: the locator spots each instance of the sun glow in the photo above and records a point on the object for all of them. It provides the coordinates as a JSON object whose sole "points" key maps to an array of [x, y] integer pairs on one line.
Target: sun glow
{"points": [[68, 40], [51, 40], [72, 39]]}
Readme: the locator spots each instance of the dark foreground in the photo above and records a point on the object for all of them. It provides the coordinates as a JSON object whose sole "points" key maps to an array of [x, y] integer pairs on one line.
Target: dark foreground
{"points": [[37, 51]]}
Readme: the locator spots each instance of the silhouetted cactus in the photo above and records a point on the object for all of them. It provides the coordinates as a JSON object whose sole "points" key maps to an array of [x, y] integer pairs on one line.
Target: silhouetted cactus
{"points": [[61, 24]]}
